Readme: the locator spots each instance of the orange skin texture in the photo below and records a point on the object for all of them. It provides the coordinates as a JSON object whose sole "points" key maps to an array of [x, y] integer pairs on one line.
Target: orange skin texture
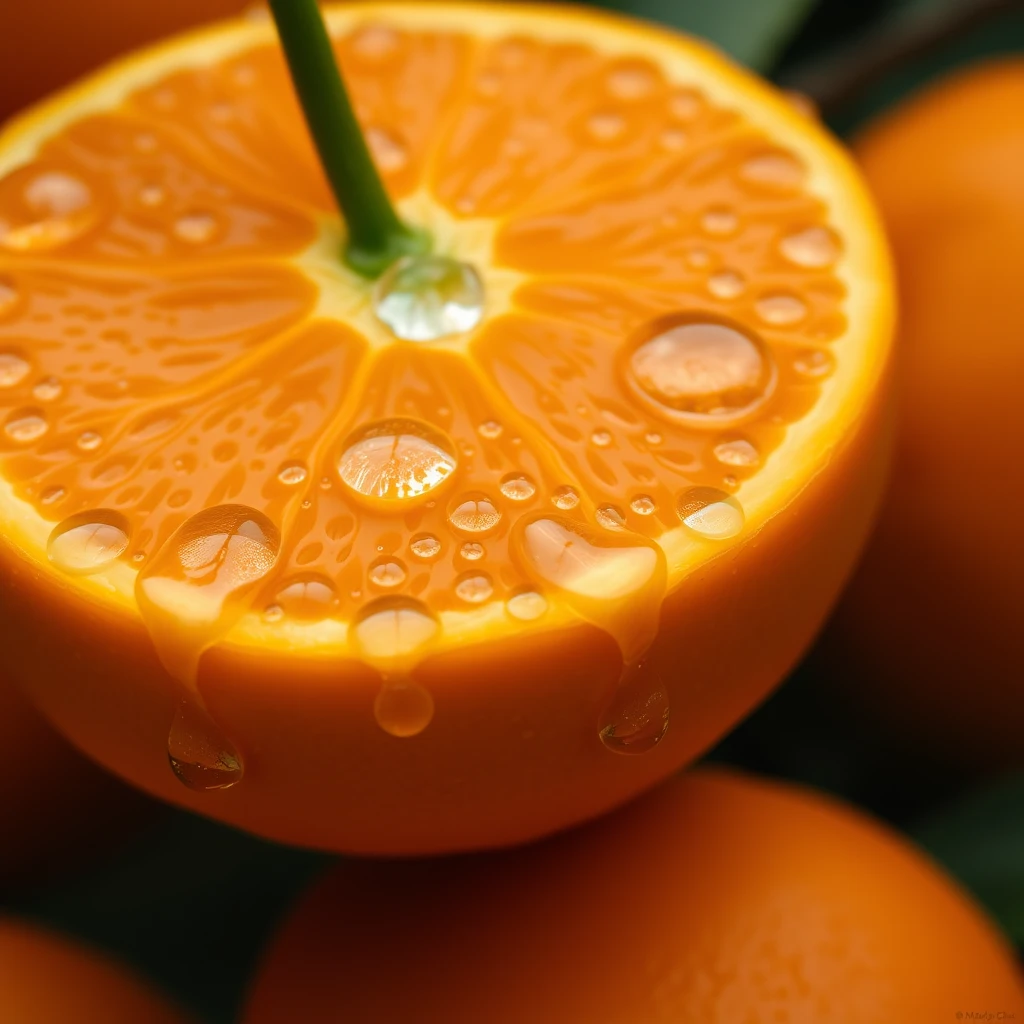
{"points": [[715, 899], [53, 801], [49, 44], [45, 979], [930, 628]]}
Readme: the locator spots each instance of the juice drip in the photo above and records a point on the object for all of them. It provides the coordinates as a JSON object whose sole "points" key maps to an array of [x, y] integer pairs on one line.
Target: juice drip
{"points": [[617, 581], [190, 595], [392, 633]]}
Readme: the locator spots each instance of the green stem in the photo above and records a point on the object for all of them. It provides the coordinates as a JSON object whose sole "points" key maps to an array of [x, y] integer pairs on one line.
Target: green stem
{"points": [[376, 235]]}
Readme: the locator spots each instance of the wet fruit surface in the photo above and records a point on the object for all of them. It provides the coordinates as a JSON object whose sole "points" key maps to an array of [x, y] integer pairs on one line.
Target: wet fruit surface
{"points": [[637, 297]]}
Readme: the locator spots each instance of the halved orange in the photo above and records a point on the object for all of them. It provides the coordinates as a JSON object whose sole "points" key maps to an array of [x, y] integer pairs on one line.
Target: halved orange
{"points": [[410, 566]]}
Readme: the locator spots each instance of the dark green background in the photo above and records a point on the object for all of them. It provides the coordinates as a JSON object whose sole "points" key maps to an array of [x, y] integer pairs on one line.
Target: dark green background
{"points": [[191, 903]]}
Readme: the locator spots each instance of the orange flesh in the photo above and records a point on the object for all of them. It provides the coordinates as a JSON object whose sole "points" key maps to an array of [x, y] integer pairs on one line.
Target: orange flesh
{"points": [[325, 529], [192, 372]]}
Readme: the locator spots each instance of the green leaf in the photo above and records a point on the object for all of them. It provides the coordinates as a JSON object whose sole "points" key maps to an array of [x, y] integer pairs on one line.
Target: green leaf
{"points": [[981, 842], [751, 31]]}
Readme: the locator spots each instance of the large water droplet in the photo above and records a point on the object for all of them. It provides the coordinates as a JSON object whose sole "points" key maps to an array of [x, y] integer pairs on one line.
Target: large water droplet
{"points": [[777, 171], [472, 552], [201, 757], [474, 587], [26, 425], [47, 390], [474, 513], [393, 628], [814, 363], [565, 498], [386, 573], [13, 369], [403, 708], [389, 152], [425, 546], [610, 517], [425, 298], [698, 370], [59, 209], [710, 513], [89, 440], [737, 452], [489, 429], [726, 284], [89, 541], [527, 605], [638, 715], [814, 247], [518, 487], [614, 578], [780, 310], [292, 473], [191, 591], [719, 220], [308, 597], [643, 505], [396, 460], [196, 227]]}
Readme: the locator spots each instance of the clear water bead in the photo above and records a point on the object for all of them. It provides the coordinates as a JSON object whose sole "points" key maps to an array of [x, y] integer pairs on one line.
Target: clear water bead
{"points": [[425, 298]]}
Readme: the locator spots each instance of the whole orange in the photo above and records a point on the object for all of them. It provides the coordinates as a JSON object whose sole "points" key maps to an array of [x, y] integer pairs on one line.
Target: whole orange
{"points": [[717, 898], [931, 627], [46, 979], [49, 43]]}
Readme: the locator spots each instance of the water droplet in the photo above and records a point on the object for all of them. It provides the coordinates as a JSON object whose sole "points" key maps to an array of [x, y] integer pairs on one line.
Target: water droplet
{"points": [[392, 628], [637, 717], [396, 460], [201, 757], [631, 82], [403, 708], [151, 195], [474, 587], [474, 513], [26, 425], [780, 309], [47, 390], [643, 505], [601, 438], [309, 597], [426, 298], [814, 363], [52, 495], [565, 498], [610, 517], [673, 140], [61, 208], [387, 573], [814, 247], [292, 473], [614, 578], [490, 429], [737, 452], [719, 220], [605, 127], [685, 105], [389, 152], [89, 440], [8, 299], [89, 541], [726, 284], [518, 487], [425, 546], [13, 369], [195, 228], [698, 370], [472, 551], [191, 591], [374, 42], [710, 513], [653, 438], [774, 170], [325, 483], [273, 613], [698, 258], [527, 605]]}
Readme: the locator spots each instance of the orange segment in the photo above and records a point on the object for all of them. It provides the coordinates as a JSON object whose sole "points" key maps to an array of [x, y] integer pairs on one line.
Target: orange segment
{"points": [[646, 388]]}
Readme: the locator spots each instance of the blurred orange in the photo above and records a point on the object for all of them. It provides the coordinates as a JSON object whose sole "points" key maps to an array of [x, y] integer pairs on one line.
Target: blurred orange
{"points": [[47, 43], [715, 898], [46, 979], [931, 628], [55, 806]]}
